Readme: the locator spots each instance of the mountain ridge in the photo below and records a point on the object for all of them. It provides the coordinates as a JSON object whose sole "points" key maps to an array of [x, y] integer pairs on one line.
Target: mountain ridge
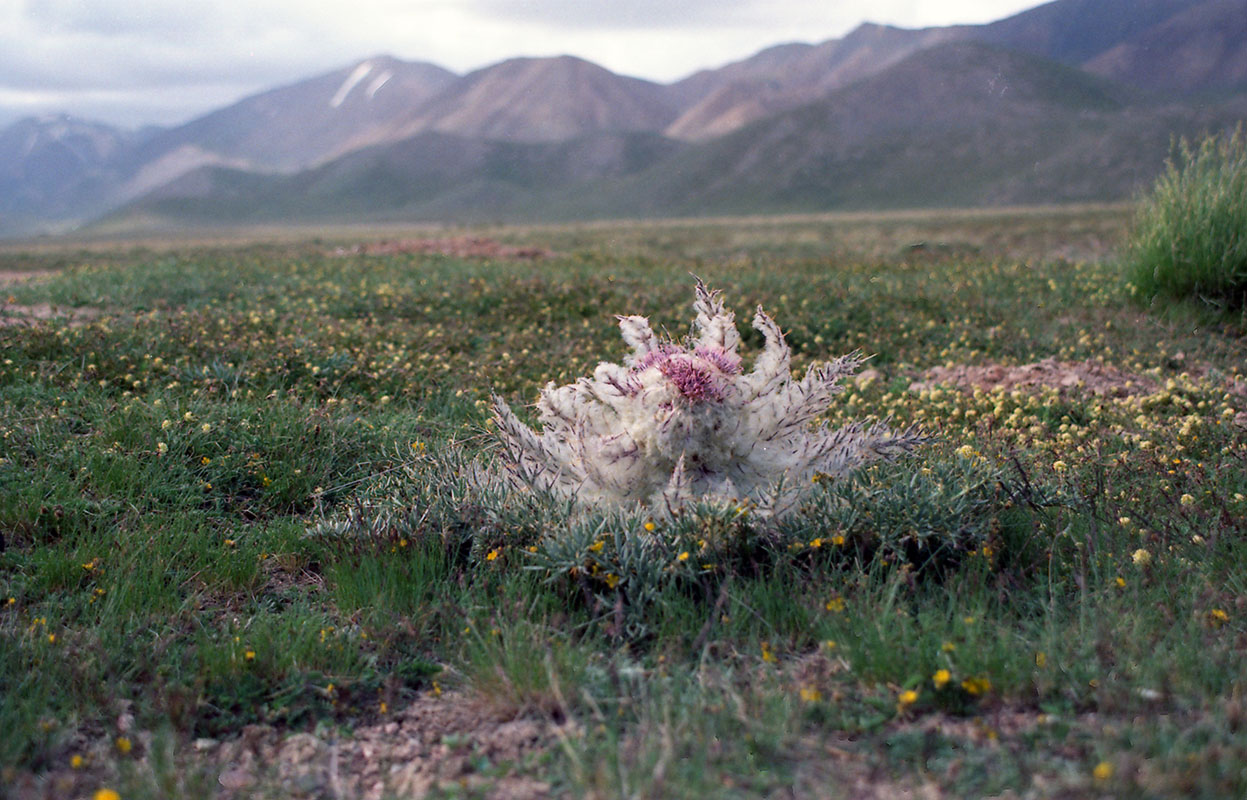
{"points": [[601, 133]]}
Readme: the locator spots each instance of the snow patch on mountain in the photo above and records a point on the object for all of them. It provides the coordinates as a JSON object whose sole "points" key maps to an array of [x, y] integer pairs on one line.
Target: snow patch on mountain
{"points": [[378, 82], [352, 80]]}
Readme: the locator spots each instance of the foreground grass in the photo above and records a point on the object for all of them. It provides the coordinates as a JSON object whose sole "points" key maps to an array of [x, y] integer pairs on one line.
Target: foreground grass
{"points": [[165, 469]]}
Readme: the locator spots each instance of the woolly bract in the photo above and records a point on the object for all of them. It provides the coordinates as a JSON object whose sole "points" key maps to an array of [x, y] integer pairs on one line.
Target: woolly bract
{"points": [[681, 422]]}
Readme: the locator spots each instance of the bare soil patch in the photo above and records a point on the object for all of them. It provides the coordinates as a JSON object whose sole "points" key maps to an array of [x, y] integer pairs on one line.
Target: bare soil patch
{"points": [[446, 740], [1086, 376], [11, 276], [12, 314], [456, 246]]}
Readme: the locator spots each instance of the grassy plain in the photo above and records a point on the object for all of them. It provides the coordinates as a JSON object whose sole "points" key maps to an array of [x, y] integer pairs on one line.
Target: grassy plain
{"points": [[237, 562]]}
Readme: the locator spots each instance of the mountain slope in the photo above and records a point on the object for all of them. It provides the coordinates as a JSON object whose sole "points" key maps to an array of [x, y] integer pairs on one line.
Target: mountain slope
{"points": [[1202, 48], [958, 124], [55, 166], [541, 99], [432, 175], [1075, 31], [308, 122], [752, 89]]}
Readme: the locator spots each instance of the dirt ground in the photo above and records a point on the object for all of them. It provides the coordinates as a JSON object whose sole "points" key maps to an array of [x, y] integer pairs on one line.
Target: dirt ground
{"points": [[445, 741], [1088, 376], [456, 246]]}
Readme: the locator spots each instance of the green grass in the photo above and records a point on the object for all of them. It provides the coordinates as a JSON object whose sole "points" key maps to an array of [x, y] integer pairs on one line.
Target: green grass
{"points": [[1188, 240], [240, 498]]}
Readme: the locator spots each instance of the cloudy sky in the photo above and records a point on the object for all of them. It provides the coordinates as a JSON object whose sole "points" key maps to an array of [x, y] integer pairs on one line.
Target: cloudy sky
{"points": [[135, 62]]}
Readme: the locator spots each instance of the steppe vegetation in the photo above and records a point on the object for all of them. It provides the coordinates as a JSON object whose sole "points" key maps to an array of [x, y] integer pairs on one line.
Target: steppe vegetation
{"points": [[243, 556]]}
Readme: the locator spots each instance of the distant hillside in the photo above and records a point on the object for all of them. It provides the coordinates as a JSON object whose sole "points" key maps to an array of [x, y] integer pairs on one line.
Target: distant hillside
{"points": [[432, 175], [308, 122], [55, 166], [778, 80], [1200, 49], [541, 100], [957, 124], [1075, 31]]}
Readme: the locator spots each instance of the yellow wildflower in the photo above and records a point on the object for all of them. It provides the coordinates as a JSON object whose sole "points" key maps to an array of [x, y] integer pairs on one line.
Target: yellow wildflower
{"points": [[941, 678]]}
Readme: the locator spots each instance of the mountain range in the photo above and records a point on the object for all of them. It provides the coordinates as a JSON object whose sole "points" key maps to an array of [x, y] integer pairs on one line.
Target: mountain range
{"points": [[1074, 100]]}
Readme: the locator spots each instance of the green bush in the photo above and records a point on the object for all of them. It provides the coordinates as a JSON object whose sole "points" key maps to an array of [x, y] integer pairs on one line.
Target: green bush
{"points": [[1190, 234]]}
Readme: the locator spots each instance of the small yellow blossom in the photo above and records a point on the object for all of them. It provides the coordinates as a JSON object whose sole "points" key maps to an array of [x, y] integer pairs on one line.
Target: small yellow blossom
{"points": [[1218, 617], [492, 555], [1103, 771], [682, 556], [1141, 557], [835, 605], [907, 698], [77, 761], [976, 686], [941, 678], [649, 526], [1186, 500], [124, 746], [811, 695], [1041, 659], [1120, 581], [206, 427], [947, 647], [767, 655], [249, 655], [597, 546], [105, 794]]}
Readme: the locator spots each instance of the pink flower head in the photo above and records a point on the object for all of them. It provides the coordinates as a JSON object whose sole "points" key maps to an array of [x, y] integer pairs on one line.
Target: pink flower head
{"points": [[699, 376]]}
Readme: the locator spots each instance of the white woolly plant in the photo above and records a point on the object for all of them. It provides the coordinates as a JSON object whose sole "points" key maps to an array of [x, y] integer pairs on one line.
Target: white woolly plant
{"points": [[681, 422]]}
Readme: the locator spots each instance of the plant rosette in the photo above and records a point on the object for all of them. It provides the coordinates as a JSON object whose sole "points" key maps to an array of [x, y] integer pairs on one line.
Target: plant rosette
{"points": [[681, 422]]}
